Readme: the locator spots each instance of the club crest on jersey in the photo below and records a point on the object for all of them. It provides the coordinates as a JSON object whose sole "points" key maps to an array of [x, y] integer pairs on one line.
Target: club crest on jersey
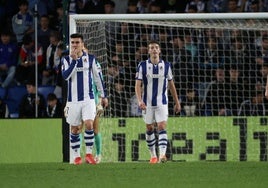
{"points": [[85, 60]]}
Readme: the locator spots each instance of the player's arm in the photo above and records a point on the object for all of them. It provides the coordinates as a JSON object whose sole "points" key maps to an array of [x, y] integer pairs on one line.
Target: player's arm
{"points": [[99, 81], [67, 67], [138, 92], [174, 94]]}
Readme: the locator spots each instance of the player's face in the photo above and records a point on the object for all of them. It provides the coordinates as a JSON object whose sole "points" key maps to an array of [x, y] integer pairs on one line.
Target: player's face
{"points": [[154, 50], [77, 43]]}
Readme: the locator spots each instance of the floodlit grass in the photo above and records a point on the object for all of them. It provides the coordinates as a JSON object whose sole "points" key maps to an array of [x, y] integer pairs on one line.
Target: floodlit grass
{"points": [[140, 175]]}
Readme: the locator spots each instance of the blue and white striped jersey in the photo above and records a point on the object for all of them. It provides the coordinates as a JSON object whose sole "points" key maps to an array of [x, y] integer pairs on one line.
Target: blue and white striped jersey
{"points": [[155, 81], [80, 74]]}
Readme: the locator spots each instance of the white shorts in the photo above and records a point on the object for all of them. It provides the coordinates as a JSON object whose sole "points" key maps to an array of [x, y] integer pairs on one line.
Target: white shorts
{"points": [[78, 111], [154, 114]]}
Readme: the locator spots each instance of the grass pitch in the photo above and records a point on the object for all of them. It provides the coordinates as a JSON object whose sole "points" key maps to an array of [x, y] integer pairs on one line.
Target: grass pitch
{"points": [[140, 175]]}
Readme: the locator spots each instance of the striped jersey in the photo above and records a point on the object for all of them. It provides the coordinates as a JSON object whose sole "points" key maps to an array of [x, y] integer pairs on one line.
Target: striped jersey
{"points": [[155, 81], [80, 74]]}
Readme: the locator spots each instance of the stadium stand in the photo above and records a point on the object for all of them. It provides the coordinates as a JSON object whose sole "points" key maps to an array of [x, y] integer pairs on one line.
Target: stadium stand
{"points": [[14, 95], [45, 90]]}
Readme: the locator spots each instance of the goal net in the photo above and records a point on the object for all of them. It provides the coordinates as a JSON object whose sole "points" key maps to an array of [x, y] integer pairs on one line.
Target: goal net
{"points": [[219, 67]]}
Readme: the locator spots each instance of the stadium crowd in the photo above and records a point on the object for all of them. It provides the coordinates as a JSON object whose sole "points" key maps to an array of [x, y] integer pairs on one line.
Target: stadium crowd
{"points": [[216, 71]]}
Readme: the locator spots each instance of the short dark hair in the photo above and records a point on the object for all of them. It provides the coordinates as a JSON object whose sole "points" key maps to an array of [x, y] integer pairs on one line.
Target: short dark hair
{"points": [[109, 2], [27, 39], [153, 42], [23, 2], [77, 35], [51, 97]]}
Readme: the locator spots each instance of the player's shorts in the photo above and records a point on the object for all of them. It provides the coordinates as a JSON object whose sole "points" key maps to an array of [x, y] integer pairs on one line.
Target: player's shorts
{"points": [[154, 114], [78, 111]]}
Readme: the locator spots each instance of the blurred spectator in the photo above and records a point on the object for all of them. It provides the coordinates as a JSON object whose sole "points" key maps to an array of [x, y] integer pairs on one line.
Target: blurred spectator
{"points": [[126, 36], [118, 98], [190, 103], [8, 59], [262, 51], [255, 6], [211, 57], [215, 99], [132, 7], [94, 7], [57, 22], [199, 4], [164, 37], [255, 106], [174, 6], [54, 107], [183, 67], [44, 33], [261, 78], [22, 22], [112, 72], [235, 88], [121, 6], [60, 52], [142, 6], [76, 6], [52, 59], [28, 102], [26, 65], [155, 7], [215, 6], [109, 6], [241, 52], [44, 7], [118, 54], [191, 9], [251, 6], [264, 5], [232, 6], [141, 53]]}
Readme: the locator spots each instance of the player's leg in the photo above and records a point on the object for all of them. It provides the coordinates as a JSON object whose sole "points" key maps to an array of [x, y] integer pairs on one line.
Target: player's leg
{"points": [[162, 141], [98, 140], [75, 143], [150, 136], [88, 115], [72, 114], [161, 116]]}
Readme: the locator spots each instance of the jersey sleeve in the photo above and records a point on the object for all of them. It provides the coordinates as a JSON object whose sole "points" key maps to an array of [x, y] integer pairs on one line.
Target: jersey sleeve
{"points": [[139, 71], [169, 73], [98, 78], [68, 67]]}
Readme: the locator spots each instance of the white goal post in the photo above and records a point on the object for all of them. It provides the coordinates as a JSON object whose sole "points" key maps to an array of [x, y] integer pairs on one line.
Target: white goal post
{"points": [[221, 121]]}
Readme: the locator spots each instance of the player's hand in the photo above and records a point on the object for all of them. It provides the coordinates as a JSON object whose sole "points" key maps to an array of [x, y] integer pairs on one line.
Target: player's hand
{"points": [[142, 105], [177, 108], [74, 53], [104, 102], [266, 93]]}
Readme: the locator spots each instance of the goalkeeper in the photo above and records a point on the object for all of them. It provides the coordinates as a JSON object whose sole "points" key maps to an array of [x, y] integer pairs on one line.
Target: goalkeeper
{"points": [[97, 135]]}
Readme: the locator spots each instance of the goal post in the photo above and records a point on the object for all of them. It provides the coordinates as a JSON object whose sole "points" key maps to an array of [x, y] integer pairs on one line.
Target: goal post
{"points": [[204, 50]]}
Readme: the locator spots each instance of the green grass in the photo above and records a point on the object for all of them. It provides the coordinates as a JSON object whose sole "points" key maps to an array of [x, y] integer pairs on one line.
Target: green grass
{"points": [[140, 175]]}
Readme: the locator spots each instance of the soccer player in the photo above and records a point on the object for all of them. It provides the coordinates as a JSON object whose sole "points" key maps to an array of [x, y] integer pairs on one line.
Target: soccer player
{"points": [[98, 139], [97, 135], [153, 78], [80, 69]]}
